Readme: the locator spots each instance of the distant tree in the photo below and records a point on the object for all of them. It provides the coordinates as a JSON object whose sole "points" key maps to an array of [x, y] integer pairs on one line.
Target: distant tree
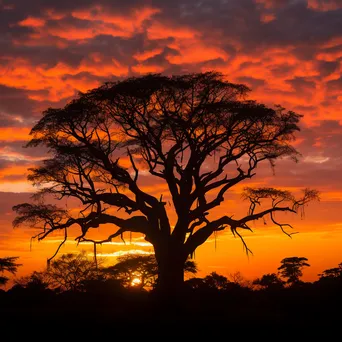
{"points": [[332, 273], [216, 281], [70, 272], [9, 265], [240, 280], [269, 281], [141, 270], [38, 281], [291, 269], [195, 283], [196, 133]]}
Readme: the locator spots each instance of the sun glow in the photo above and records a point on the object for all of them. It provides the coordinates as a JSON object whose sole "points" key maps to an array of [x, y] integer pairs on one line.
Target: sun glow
{"points": [[136, 282]]}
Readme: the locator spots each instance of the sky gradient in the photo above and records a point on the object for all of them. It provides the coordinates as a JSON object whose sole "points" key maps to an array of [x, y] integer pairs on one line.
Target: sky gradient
{"points": [[289, 52]]}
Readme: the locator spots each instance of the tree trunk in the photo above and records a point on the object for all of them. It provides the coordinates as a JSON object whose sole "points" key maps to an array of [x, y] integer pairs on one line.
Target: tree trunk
{"points": [[171, 276], [170, 272]]}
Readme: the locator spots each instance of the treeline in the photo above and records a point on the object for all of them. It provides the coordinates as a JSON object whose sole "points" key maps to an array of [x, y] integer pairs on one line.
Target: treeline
{"points": [[76, 288], [75, 272]]}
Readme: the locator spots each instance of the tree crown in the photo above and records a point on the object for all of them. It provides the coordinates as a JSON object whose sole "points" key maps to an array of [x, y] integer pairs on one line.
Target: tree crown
{"points": [[197, 133]]}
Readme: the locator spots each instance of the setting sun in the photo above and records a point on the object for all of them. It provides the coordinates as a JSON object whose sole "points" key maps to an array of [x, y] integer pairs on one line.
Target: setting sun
{"points": [[136, 282]]}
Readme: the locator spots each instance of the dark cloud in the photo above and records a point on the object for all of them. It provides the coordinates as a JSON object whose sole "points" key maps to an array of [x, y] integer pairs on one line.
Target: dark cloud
{"points": [[319, 165], [251, 82], [5, 163], [302, 84], [283, 70], [8, 120], [294, 22], [335, 85], [18, 146], [324, 139], [308, 110], [123, 50], [326, 68], [15, 102], [9, 199], [13, 178], [238, 19], [304, 175]]}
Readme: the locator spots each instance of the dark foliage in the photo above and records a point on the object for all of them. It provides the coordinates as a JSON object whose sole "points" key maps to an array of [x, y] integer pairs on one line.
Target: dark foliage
{"points": [[9, 265]]}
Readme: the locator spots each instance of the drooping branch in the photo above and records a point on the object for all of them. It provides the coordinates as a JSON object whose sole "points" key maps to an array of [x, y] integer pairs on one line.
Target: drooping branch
{"points": [[255, 196], [50, 218], [35, 214], [59, 246]]}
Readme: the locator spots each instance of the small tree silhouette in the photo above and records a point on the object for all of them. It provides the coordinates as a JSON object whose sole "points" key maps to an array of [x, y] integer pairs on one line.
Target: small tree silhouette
{"points": [[332, 273], [70, 272], [291, 269], [8, 264], [216, 281], [38, 281], [269, 281]]}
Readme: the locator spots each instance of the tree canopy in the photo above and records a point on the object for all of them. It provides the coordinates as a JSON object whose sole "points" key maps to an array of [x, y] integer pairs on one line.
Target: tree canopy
{"points": [[332, 273], [70, 272], [196, 134], [8, 264], [291, 269], [269, 281]]}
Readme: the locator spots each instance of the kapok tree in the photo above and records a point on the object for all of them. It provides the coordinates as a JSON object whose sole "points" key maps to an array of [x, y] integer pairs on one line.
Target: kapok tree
{"points": [[197, 134]]}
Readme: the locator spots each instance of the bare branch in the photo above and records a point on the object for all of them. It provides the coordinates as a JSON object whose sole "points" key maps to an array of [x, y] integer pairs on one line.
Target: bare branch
{"points": [[255, 196], [134, 166], [59, 247], [52, 219]]}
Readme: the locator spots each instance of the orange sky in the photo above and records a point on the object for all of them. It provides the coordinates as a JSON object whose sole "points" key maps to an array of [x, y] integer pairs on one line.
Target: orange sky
{"points": [[288, 52]]}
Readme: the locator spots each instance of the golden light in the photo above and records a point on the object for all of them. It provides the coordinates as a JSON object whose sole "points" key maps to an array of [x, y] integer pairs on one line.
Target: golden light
{"points": [[136, 282]]}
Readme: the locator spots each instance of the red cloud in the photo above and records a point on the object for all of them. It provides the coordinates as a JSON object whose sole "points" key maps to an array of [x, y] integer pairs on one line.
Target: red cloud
{"points": [[162, 31], [32, 22], [324, 5]]}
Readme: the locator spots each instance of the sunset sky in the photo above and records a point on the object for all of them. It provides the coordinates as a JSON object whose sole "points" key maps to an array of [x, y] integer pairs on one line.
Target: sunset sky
{"points": [[289, 52]]}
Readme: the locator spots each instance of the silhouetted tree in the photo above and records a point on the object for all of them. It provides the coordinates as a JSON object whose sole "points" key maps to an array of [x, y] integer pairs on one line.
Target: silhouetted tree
{"points": [[197, 133], [144, 268], [69, 272], [332, 273], [196, 283], [8, 264], [38, 281], [291, 269], [216, 281], [240, 280], [269, 281]]}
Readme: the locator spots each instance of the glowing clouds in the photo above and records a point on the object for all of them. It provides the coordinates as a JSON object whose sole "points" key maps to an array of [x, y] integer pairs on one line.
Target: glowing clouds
{"points": [[32, 22]]}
